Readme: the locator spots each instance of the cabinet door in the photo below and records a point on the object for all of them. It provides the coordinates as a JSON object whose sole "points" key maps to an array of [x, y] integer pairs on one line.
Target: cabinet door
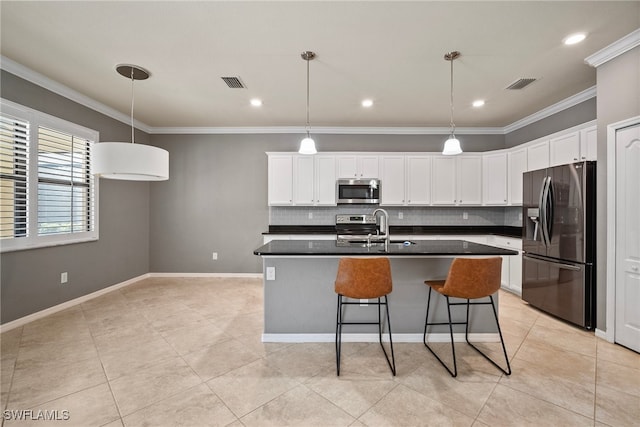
{"points": [[589, 143], [443, 182], [538, 156], [303, 180], [515, 274], [564, 149], [392, 180], [346, 167], [469, 181], [418, 184], [368, 167], [325, 180], [517, 165], [280, 185], [494, 179]]}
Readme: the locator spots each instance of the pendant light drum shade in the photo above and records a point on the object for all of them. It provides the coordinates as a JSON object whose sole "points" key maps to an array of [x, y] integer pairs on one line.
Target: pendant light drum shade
{"points": [[127, 161]]}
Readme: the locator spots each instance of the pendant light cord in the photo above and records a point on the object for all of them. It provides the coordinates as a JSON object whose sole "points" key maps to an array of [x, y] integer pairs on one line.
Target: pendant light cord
{"points": [[132, 95], [453, 126], [307, 98]]}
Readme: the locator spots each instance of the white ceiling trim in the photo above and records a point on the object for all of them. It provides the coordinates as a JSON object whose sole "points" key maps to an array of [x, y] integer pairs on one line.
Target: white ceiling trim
{"points": [[65, 91], [328, 130], [615, 49], [41, 80], [552, 109]]}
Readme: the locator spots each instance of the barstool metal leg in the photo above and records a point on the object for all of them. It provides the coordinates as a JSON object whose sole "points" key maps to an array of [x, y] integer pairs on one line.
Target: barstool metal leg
{"points": [[392, 363], [453, 349], [504, 349], [338, 333]]}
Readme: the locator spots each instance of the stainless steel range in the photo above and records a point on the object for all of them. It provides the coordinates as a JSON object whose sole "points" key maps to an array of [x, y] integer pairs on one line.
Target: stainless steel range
{"points": [[365, 228]]}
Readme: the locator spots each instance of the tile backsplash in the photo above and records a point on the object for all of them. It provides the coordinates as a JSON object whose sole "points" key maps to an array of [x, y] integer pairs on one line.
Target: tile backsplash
{"points": [[326, 215]]}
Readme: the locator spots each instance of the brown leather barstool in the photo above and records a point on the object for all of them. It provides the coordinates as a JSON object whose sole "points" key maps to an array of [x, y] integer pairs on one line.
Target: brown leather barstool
{"points": [[468, 278], [364, 278]]}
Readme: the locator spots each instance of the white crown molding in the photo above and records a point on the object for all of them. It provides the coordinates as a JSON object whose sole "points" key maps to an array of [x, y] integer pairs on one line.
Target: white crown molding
{"points": [[45, 82], [552, 109], [615, 49], [49, 84], [327, 130]]}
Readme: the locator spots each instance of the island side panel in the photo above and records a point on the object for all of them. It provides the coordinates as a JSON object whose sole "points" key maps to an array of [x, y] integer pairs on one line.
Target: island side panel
{"points": [[302, 300]]}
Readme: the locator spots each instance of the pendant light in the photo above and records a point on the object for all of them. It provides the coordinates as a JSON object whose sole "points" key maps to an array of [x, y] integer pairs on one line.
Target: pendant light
{"points": [[128, 160], [452, 145], [308, 145]]}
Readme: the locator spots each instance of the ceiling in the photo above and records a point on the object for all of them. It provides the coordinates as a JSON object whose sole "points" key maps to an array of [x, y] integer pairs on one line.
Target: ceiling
{"points": [[391, 52]]}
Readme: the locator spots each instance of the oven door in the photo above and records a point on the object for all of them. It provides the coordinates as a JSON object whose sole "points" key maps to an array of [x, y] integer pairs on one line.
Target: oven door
{"points": [[358, 191]]}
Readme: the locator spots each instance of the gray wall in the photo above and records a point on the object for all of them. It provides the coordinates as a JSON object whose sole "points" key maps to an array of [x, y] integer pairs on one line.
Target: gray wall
{"points": [[30, 279], [216, 198], [573, 116], [618, 99]]}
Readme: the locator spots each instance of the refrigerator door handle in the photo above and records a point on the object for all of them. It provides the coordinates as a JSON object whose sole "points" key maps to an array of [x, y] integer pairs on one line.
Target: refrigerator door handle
{"points": [[550, 205], [543, 210], [559, 264]]}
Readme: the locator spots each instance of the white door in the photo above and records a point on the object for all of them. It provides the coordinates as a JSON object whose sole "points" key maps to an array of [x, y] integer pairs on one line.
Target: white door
{"points": [[392, 180], [418, 180], [325, 180], [443, 181], [303, 180], [469, 181], [627, 328]]}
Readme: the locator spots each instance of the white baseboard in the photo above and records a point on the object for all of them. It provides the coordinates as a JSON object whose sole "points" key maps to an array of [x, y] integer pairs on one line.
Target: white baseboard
{"points": [[236, 275], [67, 304], [405, 338], [604, 335]]}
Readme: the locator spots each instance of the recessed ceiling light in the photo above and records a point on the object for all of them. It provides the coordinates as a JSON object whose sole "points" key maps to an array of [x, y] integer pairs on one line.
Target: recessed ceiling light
{"points": [[574, 38], [367, 103], [478, 103], [256, 102]]}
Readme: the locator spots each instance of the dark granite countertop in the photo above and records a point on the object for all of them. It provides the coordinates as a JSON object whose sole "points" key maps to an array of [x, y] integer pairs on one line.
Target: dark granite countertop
{"points": [[406, 229], [417, 248]]}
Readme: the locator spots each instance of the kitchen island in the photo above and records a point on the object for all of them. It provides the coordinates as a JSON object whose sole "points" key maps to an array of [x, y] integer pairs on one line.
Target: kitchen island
{"points": [[300, 302]]}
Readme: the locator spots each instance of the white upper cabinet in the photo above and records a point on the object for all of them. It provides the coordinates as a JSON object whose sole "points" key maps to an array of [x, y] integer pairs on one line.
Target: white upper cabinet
{"points": [[538, 155], [392, 180], [589, 143], [357, 166], [325, 180], [564, 149], [469, 180], [418, 184], [314, 180], [444, 182], [457, 180], [405, 180], [494, 179], [517, 165], [280, 185]]}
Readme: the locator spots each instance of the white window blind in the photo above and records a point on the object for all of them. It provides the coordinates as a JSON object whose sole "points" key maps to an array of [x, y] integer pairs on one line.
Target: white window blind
{"points": [[48, 194], [14, 160], [65, 184]]}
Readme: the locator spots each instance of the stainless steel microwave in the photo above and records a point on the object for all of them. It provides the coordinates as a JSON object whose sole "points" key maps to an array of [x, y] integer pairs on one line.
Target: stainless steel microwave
{"points": [[358, 191]]}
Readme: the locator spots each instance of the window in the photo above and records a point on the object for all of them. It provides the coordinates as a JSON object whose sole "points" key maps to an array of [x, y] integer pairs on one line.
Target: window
{"points": [[48, 195]]}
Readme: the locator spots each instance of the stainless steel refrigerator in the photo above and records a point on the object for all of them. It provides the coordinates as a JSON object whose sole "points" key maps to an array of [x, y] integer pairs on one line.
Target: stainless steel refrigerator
{"points": [[558, 241]]}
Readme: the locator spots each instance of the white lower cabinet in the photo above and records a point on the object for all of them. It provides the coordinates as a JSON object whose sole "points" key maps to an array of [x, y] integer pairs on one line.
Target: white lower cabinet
{"points": [[511, 264]]}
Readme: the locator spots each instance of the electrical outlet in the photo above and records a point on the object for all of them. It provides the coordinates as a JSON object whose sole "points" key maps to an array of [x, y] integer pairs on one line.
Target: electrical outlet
{"points": [[465, 215], [214, 256], [271, 273], [400, 215], [64, 277], [310, 215], [364, 302]]}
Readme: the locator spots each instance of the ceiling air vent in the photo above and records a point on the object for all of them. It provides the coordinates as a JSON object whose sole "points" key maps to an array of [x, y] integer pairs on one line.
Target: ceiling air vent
{"points": [[234, 82], [521, 83]]}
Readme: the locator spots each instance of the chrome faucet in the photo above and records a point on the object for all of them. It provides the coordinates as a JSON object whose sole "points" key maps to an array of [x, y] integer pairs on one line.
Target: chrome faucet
{"points": [[384, 223]]}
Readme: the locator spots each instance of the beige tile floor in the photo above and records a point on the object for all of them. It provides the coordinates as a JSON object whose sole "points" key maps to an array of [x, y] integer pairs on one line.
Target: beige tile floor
{"points": [[187, 352]]}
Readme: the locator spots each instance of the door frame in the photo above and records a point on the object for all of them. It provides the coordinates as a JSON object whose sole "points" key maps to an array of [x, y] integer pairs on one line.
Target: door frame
{"points": [[612, 128]]}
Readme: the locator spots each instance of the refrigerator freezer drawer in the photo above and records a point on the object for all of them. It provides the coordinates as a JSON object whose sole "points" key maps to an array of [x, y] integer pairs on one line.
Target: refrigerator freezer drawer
{"points": [[560, 288]]}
